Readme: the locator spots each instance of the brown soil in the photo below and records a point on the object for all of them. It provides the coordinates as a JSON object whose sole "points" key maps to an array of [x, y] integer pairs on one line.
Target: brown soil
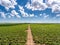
{"points": [[29, 37]]}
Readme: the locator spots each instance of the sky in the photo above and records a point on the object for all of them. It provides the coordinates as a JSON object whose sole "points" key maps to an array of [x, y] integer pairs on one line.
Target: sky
{"points": [[29, 11]]}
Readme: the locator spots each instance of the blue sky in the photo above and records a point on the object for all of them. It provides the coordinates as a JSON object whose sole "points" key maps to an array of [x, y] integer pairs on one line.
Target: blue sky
{"points": [[33, 11]]}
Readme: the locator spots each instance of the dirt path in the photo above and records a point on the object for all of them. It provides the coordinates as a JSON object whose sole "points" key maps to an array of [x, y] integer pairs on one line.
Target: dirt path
{"points": [[29, 37]]}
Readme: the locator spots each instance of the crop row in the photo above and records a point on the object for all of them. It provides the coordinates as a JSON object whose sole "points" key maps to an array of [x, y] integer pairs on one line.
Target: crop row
{"points": [[48, 34], [13, 35]]}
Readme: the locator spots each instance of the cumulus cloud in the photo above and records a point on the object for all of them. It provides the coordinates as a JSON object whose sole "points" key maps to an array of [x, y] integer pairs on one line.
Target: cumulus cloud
{"points": [[23, 13], [54, 5], [36, 5], [39, 5], [3, 14], [9, 15], [14, 13], [21, 8], [56, 8], [8, 3]]}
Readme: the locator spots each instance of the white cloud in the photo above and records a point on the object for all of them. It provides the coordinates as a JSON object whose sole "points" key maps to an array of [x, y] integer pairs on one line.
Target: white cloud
{"points": [[58, 15], [54, 5], [31, 15], [36, 1], [44, 15], [18, 16], [52, 2], [14, 13], [40, 14], [39, 5], [3, 15], [8, 3], [36, 5], [21, 8], [10, 15], [56, 8], [23, 13]]}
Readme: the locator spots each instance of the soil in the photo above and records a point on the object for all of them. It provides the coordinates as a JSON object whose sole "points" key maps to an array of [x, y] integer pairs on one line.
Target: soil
{"points": [[29, 37]]}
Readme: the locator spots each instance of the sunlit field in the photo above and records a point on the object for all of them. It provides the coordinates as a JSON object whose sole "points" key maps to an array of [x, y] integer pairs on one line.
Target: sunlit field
{"points": [[13, 34], [43, 34], [47, 34]]}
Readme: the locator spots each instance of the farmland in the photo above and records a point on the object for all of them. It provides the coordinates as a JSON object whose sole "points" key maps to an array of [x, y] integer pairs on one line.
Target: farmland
{"points": [[13, 34], [47, 34]]}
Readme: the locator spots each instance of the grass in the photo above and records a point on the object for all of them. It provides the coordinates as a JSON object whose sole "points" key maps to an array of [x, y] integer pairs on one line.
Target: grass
{"points": [[13, 34], [48, 34]]}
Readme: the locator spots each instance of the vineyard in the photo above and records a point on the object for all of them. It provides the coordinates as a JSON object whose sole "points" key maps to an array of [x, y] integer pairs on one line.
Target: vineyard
{"points": [[47, 34], [13, 34]]}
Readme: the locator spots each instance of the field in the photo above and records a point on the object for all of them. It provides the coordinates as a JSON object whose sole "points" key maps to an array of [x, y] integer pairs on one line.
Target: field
{"points": [[43, 34], [13, 34], [47, 34]]}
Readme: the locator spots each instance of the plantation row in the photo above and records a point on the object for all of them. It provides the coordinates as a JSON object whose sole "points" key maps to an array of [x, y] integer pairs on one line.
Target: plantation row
{"points": [[13, 34], [48, 34]]}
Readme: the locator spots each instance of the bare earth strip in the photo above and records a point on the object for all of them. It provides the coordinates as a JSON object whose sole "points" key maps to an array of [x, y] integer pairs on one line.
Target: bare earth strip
{"points": [[29, 37]]}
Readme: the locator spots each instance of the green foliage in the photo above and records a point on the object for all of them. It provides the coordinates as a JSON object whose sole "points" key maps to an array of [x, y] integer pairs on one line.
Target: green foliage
{"points": [[13, 34], [48, 34]]}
